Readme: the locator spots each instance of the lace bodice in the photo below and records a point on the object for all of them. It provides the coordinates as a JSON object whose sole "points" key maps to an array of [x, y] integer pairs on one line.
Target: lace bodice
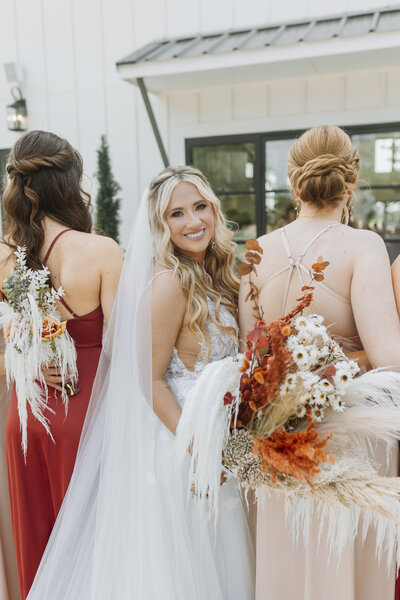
{"points": [[180, 379]]}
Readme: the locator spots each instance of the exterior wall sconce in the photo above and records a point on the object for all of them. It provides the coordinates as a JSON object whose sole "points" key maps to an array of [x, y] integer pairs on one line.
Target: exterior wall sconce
{"points": [[17, 115]]}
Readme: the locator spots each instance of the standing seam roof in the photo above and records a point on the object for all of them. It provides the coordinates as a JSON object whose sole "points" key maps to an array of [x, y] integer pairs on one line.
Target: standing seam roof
{"points": [[281, 34]]}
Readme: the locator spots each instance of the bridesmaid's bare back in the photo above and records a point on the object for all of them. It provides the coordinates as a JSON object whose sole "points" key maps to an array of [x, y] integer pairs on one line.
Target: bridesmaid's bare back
{"points": [[335, 243], [87, 266]]}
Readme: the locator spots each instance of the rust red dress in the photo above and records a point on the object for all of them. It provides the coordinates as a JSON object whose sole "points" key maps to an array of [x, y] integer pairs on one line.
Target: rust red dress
{"points": [[38, 487]]}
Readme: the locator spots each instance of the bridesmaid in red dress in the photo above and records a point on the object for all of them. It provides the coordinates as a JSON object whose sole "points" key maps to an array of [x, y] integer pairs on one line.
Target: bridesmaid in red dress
{"points": [[46, 210]]}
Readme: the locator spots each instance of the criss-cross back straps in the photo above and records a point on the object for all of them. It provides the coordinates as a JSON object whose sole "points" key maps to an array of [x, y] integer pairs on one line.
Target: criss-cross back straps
{"points": [[46, 258], [300, 268]]}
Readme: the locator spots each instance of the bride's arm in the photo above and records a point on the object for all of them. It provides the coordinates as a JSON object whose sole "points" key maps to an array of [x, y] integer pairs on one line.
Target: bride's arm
{"points": [[168, 311], [374, 304]]}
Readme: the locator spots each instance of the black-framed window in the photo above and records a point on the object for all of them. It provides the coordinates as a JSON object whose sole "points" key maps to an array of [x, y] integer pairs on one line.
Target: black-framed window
{"points": [[249, 175]]}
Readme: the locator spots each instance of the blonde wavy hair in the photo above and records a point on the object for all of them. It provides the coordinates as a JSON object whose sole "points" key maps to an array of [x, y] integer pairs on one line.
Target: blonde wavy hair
{"points": [[214, 279], [323, 165]]}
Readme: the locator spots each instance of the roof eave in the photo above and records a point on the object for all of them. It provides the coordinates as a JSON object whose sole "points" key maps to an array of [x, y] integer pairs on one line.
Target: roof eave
{"points": [[302, 58]]}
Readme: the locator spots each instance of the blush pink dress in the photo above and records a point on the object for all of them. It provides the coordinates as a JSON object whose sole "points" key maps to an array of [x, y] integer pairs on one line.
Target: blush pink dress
{"points": [[286, 572]]}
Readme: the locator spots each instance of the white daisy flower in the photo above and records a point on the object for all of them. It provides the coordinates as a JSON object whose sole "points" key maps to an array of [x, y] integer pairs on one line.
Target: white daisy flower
{"points": [[304, 336], [301, 411], [291, 381], [317, 413], [353, 367], [292, 342], [336, 402], [324, 351], [326, 386], [313, 353], [314, 318], [308, 379], [342, 378], [301, 358], [301, 322], [319, 398]]}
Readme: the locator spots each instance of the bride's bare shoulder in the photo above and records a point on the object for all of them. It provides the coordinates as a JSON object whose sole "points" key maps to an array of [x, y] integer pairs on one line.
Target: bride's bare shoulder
{"points": [[166, 284]]}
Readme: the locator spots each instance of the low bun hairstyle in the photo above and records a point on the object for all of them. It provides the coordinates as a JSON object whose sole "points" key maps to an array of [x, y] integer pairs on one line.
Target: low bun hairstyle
{"points": [[44, 179], [323, 165]]}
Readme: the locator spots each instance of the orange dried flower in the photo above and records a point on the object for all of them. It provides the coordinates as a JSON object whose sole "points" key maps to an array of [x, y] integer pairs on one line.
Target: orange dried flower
{"points": [[244, 269], [320, 265], [259, 378], [252, 244], [253, 258], [285, 330], [297, 454]]}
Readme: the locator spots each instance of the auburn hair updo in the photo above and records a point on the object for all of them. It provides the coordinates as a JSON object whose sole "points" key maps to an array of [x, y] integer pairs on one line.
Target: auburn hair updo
{"points": [[44, 179], [323, 165]]}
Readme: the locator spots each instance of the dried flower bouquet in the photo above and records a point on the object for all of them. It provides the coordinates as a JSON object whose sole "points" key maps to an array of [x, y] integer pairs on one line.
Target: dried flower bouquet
{"points": [[294, 414], [35, 338]]}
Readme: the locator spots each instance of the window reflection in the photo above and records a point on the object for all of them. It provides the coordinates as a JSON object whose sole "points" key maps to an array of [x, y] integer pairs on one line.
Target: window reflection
{"points": [[230, 171], [241, 211], [228, 167], [387, 155], [379, 158], [278, 199]]}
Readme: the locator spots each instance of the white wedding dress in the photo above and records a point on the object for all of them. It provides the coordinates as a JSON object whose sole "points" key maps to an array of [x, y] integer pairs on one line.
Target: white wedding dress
{"points": [[227, 553], [129, 527]]}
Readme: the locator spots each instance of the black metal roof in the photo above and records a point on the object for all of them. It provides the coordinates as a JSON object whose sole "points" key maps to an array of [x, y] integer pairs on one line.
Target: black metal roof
{"points": [[281, 34]]}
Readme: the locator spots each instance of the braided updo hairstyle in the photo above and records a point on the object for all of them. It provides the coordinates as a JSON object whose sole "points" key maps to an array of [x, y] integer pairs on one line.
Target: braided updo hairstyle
{"points": [[323, 166], [44, 179]]}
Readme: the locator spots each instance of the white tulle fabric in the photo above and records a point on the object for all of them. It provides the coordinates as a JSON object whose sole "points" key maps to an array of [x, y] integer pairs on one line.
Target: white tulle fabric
{"points": [[128, 528]]}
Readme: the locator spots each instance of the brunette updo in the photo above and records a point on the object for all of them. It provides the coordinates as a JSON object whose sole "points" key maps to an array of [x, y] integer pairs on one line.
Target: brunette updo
{"points": [[323, 165], [44, 179]]}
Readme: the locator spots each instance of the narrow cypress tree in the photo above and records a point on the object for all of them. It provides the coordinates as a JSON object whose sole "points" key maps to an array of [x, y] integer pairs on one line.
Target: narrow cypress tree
{"points": [[107, 201]]}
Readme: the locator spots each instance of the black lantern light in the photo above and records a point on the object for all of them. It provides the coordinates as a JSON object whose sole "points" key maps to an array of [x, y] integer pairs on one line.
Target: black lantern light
{"points": [[17, 116]]}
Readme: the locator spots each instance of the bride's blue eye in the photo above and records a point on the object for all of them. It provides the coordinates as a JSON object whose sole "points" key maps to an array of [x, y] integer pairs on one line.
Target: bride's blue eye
{"points": [[177, 213], [201, 206]]}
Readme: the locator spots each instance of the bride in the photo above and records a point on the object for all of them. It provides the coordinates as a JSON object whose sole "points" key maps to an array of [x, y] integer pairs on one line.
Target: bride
{"points": [[129, 527]]}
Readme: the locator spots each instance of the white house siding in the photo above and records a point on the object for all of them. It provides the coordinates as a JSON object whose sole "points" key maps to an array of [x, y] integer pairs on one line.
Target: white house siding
{"points": [[68, 50], [356, 98]]}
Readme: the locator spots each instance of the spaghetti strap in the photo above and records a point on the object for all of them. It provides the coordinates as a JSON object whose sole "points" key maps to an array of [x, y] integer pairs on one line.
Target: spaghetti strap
{"points": [[300, 268], [46, 258], [160, 273]]}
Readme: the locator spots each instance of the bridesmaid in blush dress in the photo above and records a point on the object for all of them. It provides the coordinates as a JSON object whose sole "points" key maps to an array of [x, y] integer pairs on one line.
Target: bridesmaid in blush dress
{"points": [[357, 303], [396, 287], [46, 210]]}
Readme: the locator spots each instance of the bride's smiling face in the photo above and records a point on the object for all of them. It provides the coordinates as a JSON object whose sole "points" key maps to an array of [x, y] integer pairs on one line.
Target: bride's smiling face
{"points": [[191, 220]]}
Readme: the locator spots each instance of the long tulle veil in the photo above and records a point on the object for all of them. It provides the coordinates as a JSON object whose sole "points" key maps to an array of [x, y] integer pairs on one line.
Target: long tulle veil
{"points": [[115, 536]]}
